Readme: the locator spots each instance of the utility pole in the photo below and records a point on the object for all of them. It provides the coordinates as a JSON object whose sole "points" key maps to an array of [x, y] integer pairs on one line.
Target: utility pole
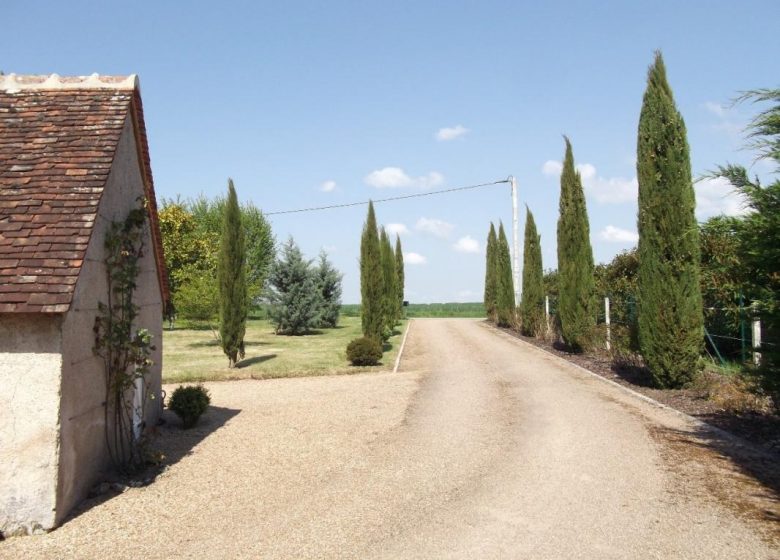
{"points": [[516, 243]]}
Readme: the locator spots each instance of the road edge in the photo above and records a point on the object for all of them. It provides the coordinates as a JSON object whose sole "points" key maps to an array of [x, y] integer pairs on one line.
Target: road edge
{"points": [[403, 344], [731, 438]]}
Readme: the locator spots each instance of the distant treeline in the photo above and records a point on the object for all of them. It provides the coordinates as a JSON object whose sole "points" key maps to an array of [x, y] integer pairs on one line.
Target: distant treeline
{"points": [[428, 310]]}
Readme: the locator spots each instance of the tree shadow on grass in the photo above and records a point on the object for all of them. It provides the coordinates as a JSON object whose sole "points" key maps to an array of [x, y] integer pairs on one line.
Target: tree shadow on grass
{"points": [[170, 442], [216, 343], [255, 360]]}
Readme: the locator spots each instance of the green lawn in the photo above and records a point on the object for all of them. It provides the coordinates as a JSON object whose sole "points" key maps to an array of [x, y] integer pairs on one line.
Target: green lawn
{"points": [[195, 354]]}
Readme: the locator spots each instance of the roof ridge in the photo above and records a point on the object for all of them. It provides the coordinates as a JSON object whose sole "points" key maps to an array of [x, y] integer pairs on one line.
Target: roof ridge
{"points": [[12, 83]]}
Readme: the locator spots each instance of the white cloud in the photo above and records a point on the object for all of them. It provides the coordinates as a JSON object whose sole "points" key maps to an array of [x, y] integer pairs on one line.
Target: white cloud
{"points": [[397, 229], [587, 171], [414, 258], [437, 228], [451, 133], [395, 177], [330, 249], [328, 186], [552, 168], [715, 108], [717, 196], [612, 234], [605, 190], [466, 244], [612, 190]]}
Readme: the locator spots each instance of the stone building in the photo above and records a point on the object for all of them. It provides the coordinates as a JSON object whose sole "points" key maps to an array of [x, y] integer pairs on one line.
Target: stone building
{"points": [[73, 158]]}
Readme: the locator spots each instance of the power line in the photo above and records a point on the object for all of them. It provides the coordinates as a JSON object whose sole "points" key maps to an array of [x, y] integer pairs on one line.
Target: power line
{"points": [[392, 198]]}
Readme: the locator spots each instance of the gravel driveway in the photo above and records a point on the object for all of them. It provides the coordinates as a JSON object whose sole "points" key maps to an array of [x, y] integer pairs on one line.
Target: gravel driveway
{"points": [[482, 446]]}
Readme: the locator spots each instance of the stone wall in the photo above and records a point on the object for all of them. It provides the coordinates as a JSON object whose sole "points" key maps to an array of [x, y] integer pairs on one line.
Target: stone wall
{"points": [[30, 364]]}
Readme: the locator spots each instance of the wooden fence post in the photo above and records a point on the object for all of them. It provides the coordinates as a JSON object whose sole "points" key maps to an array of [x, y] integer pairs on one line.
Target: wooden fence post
{"points": [[606, 320]]}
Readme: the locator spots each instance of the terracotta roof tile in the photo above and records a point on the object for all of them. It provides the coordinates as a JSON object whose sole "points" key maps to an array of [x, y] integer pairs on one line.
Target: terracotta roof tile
{"points": [[57, 142]]}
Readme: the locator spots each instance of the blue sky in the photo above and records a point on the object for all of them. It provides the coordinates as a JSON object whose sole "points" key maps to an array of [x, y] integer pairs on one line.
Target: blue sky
{"points": [[316, 103]]}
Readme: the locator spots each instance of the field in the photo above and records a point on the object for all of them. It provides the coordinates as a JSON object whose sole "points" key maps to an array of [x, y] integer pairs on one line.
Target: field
{"points": [[194, 354], [429, 310]]}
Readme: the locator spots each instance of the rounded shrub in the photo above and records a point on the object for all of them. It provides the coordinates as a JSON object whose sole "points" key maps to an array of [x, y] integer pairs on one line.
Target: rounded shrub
{"points": [[364, 352], [189, 403]]}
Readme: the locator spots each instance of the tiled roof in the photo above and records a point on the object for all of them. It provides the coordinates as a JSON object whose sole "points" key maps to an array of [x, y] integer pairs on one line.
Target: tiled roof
{"points": [[57, 142]]}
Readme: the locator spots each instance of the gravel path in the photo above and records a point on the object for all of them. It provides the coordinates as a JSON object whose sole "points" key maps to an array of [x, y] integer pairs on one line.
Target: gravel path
{"points": [[482, 446]]}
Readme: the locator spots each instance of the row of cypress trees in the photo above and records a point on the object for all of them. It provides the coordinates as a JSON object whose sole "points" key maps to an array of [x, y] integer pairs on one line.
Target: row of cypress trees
{"points": [[669, 304], [499, 286], [381, 280]]}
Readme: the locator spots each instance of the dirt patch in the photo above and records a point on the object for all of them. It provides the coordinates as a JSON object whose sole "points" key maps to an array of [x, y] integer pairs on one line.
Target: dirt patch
{"points": [[701, 469], [760, 429]]}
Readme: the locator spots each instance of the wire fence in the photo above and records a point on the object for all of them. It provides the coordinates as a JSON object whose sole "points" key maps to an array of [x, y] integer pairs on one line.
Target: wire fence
{"points": [[731, 334]]}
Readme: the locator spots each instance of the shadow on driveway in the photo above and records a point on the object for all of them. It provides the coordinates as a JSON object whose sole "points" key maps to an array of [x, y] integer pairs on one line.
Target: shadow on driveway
{"points": [[171, 442]]}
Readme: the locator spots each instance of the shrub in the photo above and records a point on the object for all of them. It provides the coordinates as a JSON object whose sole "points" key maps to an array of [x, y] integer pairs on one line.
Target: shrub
{"points": [[364, 351], [189, 403]]}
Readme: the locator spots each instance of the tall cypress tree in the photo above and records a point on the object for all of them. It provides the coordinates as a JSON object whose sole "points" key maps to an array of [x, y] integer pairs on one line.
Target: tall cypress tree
{"points": [[491, 269], [399, 276], [231, 276], [505, 293], [390, 298], [577, 301], [371, 279], [532, 302], [669, 295]]}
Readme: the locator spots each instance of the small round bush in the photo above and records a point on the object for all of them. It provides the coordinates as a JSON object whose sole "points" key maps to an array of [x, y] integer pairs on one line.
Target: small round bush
{"points": [[364, 352], [189, 403]]}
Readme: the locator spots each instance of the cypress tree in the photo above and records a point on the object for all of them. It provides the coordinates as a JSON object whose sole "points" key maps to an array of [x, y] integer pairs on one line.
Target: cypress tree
{"points": [[390, 306], [371, 279], [399, 276], [577, 302], [669, 305], [505, 293], [491, 267], [532, 301], [231, 276]]}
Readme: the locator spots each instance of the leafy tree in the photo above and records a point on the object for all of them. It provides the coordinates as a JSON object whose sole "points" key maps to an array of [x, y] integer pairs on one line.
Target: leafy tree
{"points": [[197, 297], [294, 294], [758, 232], [231, 275], [576, 302], [191, 233], [505, 293], [669, 295], [390, 305], [491, 271], [532, 301], [259, 239], [184, 249], [618, 281], [371, 279], [399, 276], [724, 281], [328, 281]]}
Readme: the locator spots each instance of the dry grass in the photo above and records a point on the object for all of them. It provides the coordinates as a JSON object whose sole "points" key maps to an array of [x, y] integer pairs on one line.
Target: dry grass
{"points": [[732, 392], [195, 354]]}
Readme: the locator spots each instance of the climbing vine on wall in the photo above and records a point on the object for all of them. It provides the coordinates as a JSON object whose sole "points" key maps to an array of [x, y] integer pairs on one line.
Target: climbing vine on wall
{"points": [[124, 348]]}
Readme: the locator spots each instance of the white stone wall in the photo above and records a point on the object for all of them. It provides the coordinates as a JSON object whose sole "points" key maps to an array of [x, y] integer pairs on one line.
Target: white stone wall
{"points": [[30, 364], [83, 449]]}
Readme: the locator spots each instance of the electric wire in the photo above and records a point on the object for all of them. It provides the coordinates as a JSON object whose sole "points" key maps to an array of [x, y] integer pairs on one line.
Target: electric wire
{"points": [[389, 199]]}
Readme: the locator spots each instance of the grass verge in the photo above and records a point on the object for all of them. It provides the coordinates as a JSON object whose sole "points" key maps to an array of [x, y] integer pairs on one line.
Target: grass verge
{"points": [[195, 355]]}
